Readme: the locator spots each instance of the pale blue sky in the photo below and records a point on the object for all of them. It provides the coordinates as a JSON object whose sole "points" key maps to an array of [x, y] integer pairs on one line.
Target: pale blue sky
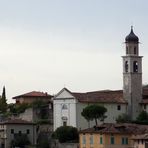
{"points": [[48, 44]]}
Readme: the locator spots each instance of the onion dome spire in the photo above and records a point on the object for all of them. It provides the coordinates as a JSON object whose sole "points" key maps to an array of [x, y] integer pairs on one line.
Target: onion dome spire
{"points": [[132, 37]]}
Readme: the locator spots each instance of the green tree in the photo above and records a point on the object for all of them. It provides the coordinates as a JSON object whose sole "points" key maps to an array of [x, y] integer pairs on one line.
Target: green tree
{"points": [[20, 140], [123, 118], [94, 112], [18, 108], [143, 116], [66, 134], [3, 101], [44, 140]]}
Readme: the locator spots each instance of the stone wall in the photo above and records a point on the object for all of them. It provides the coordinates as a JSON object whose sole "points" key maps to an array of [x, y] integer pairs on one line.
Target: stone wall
{"points": [[56, 144]]}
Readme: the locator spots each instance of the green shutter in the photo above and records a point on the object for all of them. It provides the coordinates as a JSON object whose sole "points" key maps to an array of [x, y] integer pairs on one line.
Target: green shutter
{"points": [[112, 140], [122, 140], [126, 140], [101, 140]]}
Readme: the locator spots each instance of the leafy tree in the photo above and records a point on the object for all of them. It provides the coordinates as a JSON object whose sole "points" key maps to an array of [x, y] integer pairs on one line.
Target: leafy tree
{"points": [[20, 140], [143, 116], [123, 118], [18, 108], [66, 134], [38, 104], [42, 107], [94, 112], [44, 140], [3, 101]]}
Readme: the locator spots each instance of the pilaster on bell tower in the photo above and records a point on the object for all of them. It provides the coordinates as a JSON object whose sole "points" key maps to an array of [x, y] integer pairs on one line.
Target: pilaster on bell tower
{"points": [[132, 75]]}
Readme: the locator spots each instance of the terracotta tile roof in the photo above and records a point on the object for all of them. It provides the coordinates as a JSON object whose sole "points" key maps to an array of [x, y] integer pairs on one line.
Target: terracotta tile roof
{"points": [[138, 137], [114, 128], [106, 96], [16, 121], [33, 94]]}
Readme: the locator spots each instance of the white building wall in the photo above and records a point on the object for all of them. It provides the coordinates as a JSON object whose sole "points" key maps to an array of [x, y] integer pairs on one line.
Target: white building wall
{"points": [[112, 113], [8, 136], [61, 115]]}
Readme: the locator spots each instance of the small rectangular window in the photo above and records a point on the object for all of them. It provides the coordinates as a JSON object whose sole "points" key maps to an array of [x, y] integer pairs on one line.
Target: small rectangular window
{"points": [[118, 107], [144, 106], [84, 139], [28, 131], [91, 139], [124, 140], [20, 132], [12, 131]]}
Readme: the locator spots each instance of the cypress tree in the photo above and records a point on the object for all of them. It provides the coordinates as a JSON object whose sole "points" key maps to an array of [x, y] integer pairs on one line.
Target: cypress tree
{"points": [[3, 101]]}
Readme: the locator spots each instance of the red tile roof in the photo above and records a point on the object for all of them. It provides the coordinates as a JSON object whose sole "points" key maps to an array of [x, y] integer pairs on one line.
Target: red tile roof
{"points": [[114, 128], [141, 136], [33, 94], [106, 96]]}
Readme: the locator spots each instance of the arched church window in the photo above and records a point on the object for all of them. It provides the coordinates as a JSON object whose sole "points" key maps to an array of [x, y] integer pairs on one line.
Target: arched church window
{"points": [[64, 106], [135, 66], [126, 50], [126, 66], [135, 50]]}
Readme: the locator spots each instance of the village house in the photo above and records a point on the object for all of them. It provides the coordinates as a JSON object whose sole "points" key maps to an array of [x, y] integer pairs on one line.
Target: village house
{"points": [[140, 141], [11, 128], [31, 97], [36, 113], [109, 135]]}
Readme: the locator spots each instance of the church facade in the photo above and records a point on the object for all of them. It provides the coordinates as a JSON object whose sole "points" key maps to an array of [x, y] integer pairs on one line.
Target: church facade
{"points": [[131, 100]]}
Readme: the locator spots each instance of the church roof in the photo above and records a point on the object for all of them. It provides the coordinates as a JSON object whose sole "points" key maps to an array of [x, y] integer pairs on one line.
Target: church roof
{"points": [[106, 96]]}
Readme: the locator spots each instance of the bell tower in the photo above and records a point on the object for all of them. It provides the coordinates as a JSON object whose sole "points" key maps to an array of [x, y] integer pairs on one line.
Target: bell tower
{"points": [[132, 75]]}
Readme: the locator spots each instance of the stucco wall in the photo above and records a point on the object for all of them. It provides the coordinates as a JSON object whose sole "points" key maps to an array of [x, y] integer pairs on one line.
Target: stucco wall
{"points": [[69, 113], [27, 115], [112, 113], [106, 141], [23, 129]]}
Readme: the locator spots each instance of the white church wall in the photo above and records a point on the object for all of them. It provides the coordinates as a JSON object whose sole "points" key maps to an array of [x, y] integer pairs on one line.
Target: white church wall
{"points": [[67, 114], [112, 113]]}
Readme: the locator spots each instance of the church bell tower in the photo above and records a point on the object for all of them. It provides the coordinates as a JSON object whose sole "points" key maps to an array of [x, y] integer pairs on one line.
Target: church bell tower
{"points": [[132, 75]]}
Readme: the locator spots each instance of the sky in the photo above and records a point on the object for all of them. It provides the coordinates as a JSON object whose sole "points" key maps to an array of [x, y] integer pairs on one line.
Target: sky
{"points": [[46, 45]]}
